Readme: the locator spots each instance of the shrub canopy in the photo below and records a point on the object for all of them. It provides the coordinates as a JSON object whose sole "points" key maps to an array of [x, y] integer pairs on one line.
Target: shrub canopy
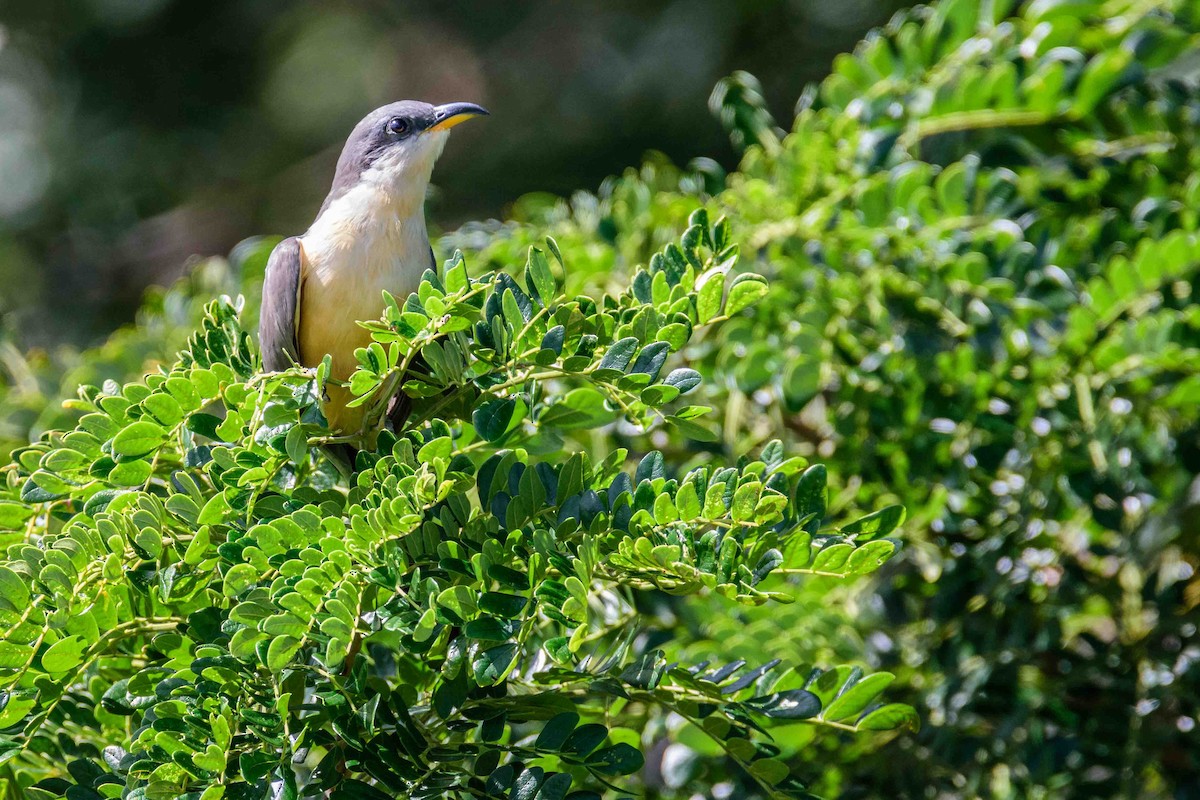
{"points": [[194, 607]]}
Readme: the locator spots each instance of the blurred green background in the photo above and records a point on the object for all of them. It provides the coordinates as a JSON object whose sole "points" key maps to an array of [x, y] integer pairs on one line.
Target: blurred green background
{"points": [[135, 134]]}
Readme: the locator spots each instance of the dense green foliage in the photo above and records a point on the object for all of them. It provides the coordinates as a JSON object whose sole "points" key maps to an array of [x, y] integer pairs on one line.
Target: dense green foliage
{"points": [[193, 606], [980, 238], [981, 241]]}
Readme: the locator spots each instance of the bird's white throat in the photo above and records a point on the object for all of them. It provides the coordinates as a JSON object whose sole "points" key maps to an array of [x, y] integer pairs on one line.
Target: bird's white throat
{"points": [[403, 172], [376, 230]]}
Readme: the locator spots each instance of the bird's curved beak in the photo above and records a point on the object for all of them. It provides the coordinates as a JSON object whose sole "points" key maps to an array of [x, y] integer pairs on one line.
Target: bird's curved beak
{"points": [[447, 116]]}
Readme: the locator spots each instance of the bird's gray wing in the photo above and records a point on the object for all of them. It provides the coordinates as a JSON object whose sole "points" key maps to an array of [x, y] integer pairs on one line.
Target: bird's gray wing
{"points": [[281, 306]]}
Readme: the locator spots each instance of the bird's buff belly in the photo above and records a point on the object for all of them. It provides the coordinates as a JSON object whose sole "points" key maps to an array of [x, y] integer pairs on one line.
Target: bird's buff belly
{"points": [[348, 268], [331, 328]]}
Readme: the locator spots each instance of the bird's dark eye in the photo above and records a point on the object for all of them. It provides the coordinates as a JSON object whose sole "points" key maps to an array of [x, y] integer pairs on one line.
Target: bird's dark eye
{"points": [[397, 126]]}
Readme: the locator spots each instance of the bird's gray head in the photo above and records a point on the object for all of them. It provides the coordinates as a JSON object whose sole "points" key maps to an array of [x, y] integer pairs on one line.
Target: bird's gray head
{"points": [[395, 147]]}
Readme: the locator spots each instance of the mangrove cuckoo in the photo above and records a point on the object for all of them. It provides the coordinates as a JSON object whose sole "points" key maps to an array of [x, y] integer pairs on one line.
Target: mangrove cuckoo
{"points": [[368, 236]]}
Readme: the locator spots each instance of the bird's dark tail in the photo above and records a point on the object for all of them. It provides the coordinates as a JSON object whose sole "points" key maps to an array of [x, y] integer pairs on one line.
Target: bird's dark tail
{"points": [[399, 412], [342, 456]]}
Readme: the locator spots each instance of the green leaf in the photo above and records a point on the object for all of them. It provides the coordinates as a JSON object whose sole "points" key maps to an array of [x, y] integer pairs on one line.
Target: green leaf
{"points": [[459, 600], [878, 523], [541, 277], [792, 704], [580, 408], [13, 656], [658, 394], [281, 650], [238, 578], [714, 501], [869, 557], [504, 605], [50, 483], [139, 439], [256, 765], [585, 739], [651, 467], [890, 717], [13, 515], [687, 502], [708, 301], [554, 338], [16, 706], [853, 700], [284, 625], [552, 246], [746, 290], [204, 424], [164, 408], [683, 379], [296, 445], [150, 541], [244, 643], [676, 335], [456, 274], [1102, 73], [493, 665], [745, 498], [620, 759], [13, 589], [832, 557], [651, 359], [556, 731], [32, 493], [101, 500], [770, 770], [647, 671], [491, 629], [556, 788], [559, 649], [512, 310], [214, 510], [810, 496], [619, 354], [692, 430], [493, 417], [439, 448], [65, 654], [197, 549], [130, 473]]}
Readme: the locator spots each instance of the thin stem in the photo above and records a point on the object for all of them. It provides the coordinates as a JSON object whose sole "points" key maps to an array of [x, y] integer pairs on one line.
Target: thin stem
{"points": [[979, 119], [805, 571], [136, 626]]}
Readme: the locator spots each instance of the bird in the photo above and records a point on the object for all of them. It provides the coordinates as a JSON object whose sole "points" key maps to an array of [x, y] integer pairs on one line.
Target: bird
{"points": [[368, 236]]}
